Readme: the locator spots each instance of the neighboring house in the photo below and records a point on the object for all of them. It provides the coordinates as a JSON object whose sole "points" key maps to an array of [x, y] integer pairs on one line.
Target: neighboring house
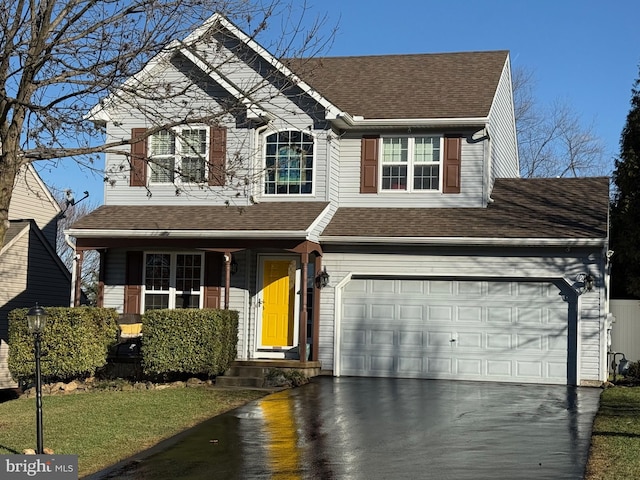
{"points": [[30, 269], [395, 175]]}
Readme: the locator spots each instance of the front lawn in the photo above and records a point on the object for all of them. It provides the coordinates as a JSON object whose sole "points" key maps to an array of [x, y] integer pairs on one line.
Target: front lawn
{"points": [[615, 441], [103, 428]]}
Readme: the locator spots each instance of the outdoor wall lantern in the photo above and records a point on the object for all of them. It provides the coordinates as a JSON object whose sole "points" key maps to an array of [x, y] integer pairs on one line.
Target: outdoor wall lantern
{"points": [[36, 319], [587, 281], [234, 265], [322, 279]]}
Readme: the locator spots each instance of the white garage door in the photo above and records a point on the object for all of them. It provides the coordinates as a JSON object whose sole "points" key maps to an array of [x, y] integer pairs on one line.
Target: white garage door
{"points": [[454, 329]]}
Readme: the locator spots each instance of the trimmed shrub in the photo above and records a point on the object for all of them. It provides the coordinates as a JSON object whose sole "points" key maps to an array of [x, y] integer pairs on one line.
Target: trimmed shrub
{"points": [[74, 343], [188, 341]]}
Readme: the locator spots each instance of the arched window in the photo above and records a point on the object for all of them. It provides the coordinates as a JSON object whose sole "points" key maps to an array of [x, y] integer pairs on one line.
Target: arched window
{"points": [[289, 163]]}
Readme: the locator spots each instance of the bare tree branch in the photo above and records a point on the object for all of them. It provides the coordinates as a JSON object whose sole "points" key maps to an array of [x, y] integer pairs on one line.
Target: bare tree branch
{"points": [[60, 58], [553, 140]]}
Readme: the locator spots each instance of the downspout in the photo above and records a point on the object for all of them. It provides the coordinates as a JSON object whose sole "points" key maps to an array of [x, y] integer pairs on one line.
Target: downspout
{"points": [[489, 164], [72, 246]]}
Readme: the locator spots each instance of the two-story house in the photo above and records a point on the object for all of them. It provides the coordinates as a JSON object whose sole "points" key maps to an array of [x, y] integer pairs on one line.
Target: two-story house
{"points": [[30, 269], [363, 211]]}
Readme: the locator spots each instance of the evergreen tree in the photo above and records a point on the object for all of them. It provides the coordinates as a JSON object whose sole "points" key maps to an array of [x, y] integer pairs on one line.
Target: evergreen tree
{"points": [[625, 210]]}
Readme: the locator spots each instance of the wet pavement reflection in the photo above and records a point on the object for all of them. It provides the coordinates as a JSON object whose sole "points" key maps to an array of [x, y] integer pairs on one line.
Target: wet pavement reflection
{"points": [[365, 428]]}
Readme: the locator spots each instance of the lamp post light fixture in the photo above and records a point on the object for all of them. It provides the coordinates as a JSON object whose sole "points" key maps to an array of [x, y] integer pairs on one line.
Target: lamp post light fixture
{"points": [[36, 319]]}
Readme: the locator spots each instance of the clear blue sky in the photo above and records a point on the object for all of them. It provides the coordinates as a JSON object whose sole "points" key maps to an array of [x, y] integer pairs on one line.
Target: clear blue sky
{"points": [[584, 52]]}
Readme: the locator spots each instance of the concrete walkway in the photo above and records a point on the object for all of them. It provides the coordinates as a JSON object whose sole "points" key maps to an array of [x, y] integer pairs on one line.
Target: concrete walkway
{"points": [[366, 428]]}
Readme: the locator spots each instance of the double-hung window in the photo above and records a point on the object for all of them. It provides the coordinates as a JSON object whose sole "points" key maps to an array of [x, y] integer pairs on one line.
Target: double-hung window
{"points": [[173, 280], [411, 163], [179, 155], [289, 163]]}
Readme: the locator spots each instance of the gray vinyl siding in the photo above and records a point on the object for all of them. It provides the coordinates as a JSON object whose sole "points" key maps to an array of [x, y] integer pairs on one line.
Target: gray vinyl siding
{"points": [[504, 145], [508, 264], [5, 376], [114, 279], [472, 174], [29, 274], [31, 200], [13, 275], [244, 150]]}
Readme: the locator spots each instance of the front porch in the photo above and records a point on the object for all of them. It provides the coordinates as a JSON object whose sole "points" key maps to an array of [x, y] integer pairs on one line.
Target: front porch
{"points": [[251, 373]]}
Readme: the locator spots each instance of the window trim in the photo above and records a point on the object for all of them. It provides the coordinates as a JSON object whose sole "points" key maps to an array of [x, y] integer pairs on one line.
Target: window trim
{"points": [[314, 168], [173, 264], [410, 164], [179, 179]]}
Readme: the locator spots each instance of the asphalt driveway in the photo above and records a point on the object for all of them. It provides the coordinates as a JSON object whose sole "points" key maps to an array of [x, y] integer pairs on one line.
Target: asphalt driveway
{"points": [[367, 428]]}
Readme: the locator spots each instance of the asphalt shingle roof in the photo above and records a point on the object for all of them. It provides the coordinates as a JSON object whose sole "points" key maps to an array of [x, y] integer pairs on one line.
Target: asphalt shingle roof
{"points": [[290, 216], [522, 208], [440, 85], [569, 208]]}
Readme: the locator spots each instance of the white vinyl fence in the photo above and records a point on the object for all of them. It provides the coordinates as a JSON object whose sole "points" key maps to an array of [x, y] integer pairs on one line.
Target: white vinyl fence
{"points": [[625, 331]]}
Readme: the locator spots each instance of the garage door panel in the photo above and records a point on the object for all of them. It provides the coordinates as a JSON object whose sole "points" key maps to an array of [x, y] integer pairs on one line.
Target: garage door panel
{"points": [[469, 314], [383, 364], [356, 338], [410, 338], [383, 311], [470, 367], [411, 312], [411, 365], [439, 365], [382, 338], [499, 368], [519, 333], [529, 369], [469, 340], [498, 315]]}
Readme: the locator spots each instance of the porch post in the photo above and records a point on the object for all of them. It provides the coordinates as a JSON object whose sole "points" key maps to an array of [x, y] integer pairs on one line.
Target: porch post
{"points": [[302, 340], [227, 277], [78, 286], [101, 273], [316, 310]]}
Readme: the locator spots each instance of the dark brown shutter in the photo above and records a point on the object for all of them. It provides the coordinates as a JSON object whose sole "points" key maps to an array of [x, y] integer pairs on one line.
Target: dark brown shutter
{"points": [[133, 282], [212, 279], [217, 155], [138, 177], [452, 154], [369, 165]]}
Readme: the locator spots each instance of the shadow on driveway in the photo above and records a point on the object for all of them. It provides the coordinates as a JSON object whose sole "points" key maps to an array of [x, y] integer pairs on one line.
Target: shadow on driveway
{"points": [[368, 428]]}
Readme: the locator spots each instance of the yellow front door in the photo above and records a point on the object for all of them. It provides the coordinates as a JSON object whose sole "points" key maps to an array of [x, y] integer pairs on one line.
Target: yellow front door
{"points": [[277, 302]]}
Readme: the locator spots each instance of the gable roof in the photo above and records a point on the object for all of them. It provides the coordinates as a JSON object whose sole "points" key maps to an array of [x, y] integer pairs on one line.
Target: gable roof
{"points": [[528, 210], [442, 85], [356, 88]]}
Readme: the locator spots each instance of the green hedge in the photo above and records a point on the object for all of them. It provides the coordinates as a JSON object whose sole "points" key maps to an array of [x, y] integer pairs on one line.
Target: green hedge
{"points": [[188, 341], [74, 343]]}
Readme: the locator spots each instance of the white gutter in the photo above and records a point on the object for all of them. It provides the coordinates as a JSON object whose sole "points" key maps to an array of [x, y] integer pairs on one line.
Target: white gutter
{"points": [[470, 241], [346, 119], [266, 234]]}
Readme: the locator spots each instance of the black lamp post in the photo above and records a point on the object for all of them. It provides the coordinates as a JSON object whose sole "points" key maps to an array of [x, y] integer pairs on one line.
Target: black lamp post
{"points": [[36, 317]]}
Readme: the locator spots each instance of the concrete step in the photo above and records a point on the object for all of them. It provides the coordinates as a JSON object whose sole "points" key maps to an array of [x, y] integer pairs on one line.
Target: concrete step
{"points": [[227, 381]]}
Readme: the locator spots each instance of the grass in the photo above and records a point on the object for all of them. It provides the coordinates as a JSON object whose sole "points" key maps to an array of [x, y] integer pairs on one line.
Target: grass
{"points": [[103, 428], [615, 441]]}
